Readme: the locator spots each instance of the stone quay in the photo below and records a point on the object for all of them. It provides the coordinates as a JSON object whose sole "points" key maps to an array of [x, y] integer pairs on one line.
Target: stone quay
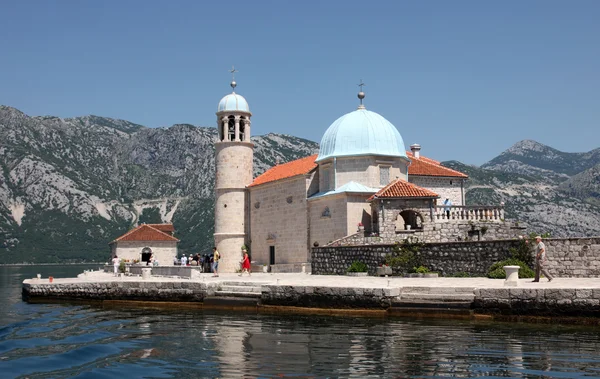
{"points": [[564, 298]]}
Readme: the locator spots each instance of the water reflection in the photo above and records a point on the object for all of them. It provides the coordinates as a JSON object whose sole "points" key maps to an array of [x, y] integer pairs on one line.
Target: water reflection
{"points": [[58, 340]]}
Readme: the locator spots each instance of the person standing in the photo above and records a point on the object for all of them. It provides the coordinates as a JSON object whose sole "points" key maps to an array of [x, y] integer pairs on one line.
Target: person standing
{"points": [[215, 265], [245, 264], [183, 260], [447, 205], [115, 262], [540, 260]]}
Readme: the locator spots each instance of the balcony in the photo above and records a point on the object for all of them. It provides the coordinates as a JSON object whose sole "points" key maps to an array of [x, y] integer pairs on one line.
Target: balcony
{"points": [[461, 213]]}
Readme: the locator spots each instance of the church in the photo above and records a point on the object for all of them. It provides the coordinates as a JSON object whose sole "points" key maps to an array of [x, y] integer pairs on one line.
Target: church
{"points": [[363, 187]]}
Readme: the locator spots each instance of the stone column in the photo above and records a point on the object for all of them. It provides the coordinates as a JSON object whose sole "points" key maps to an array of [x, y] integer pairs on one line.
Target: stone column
{"points": [[225, 129], [247, 131], [237, 128]]}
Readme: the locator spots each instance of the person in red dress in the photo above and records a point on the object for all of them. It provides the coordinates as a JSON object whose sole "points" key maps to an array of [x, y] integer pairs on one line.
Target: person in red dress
{"points": [[245, 264]]}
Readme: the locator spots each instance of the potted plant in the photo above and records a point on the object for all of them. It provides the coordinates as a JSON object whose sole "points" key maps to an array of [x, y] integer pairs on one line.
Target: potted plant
{"points": [[265, 268], [384, 270], [361, 227]]}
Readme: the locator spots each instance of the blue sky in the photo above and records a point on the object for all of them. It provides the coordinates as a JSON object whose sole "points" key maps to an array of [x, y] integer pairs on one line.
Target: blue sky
{"points": [[465, 79]]}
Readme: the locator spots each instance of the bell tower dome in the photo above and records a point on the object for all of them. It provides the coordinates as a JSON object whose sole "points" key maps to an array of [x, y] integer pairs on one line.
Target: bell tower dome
{"points": [[233, 158]]}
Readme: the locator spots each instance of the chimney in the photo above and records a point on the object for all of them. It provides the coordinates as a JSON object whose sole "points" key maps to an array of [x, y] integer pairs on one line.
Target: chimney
{"points": [[416, 148]]}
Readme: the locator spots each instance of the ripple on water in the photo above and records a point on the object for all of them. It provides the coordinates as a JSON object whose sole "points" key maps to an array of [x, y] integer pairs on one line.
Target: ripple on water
{"points": [[85, 341]]}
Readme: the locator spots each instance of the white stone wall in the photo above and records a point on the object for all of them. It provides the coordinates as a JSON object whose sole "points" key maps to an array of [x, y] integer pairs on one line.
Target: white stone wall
{"points": [[164, 251], [233, 173], [358, 211], [363, 170], [324, 229], [279, 218], [450, 188]]}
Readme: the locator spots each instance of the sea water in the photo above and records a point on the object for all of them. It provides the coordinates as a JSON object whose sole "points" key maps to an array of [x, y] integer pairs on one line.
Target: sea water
{"points": [[87, 341]]}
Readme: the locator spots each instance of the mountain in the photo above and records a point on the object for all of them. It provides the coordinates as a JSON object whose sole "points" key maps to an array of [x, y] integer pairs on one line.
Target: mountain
{"points": [[531, 157], [547, 189], [70, 186], [585, 185]]}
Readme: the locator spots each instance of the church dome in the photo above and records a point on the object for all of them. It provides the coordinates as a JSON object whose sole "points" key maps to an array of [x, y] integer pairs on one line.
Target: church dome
{"points": [[233, 102], [361, 132]]}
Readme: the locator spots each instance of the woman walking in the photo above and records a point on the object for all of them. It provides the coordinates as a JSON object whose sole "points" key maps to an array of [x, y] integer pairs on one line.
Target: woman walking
{"points": [[245, 264]]}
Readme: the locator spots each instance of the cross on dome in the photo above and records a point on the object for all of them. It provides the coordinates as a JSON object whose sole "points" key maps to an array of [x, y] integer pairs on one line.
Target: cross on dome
{"points": [[361, 94], [233, 84]]}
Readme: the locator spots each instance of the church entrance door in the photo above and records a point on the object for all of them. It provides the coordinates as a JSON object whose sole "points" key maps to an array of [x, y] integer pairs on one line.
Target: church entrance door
{"points": [[271, 255]]}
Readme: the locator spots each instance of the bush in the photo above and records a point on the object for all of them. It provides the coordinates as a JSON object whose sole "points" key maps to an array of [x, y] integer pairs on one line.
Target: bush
{"points": [[497, 272], [357, 266], [122, 266], [404, 258], [421, 270]]}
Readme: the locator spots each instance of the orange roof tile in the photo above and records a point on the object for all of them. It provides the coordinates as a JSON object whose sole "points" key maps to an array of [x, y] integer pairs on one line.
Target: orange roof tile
{"points": [[402, 188], [166, 228], [145, 232], [287, 170], [424, 166]]}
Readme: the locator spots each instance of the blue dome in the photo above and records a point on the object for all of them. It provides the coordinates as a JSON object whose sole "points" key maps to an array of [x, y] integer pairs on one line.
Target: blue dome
{"points": [[361, 132], [233, 102]]}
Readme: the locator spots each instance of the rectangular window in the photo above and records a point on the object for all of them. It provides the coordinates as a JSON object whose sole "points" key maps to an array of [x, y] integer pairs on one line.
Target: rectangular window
{"points": [[326, 179], [384, 175]]}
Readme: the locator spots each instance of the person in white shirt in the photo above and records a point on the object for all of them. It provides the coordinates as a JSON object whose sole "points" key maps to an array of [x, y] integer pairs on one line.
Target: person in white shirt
{"points": [[183, 260], [115, 262]]}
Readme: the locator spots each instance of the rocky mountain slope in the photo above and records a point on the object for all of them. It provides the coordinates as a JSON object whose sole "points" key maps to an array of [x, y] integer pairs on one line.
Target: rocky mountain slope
{"points": [[70, 186]]}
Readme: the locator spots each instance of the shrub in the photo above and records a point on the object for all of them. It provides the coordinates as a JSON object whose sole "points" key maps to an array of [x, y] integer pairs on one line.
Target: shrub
{"points": [[405, 257], [122, 266], [357, 266], [497, 272], [523, 252], [421, 270]]}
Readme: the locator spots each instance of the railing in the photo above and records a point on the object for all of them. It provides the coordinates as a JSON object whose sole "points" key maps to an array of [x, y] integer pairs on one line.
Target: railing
{"points": [[456, 213]]}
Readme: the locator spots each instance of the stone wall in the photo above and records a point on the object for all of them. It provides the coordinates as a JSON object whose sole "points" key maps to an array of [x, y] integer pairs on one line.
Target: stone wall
{"points": [[451, 188], [329, 297], [433, 232], [445, 258], [279, 218], [567, 257], [538, 301], [362, 169], [328, 218], [573, 257], [469, 230], [120, 290], [164, 251]]}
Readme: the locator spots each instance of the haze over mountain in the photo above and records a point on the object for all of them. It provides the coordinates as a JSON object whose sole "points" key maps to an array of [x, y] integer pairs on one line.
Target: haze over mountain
{"points": [[70, 186]]}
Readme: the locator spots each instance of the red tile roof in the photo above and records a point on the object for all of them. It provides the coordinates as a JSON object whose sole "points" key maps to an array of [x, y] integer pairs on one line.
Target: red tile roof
{"points": [[401, 189], [166, 228], [423, 166], [145, 232], [287, 170]]}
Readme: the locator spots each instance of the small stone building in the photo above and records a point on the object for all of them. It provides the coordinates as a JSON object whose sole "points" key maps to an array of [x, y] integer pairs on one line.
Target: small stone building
{"points": [[146, 240]]}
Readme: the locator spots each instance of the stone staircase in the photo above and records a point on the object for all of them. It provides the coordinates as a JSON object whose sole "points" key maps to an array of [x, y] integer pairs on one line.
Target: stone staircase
{"points": [[235, 294], [431, 300], [239, 289]]}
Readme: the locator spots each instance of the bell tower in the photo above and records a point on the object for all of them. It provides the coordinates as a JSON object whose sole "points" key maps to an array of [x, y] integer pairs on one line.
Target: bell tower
{"points": [[233, 158]]}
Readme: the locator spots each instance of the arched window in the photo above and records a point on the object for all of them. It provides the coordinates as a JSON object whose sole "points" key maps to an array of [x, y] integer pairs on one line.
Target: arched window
{"points": [[242, 129], [231, 128]]}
